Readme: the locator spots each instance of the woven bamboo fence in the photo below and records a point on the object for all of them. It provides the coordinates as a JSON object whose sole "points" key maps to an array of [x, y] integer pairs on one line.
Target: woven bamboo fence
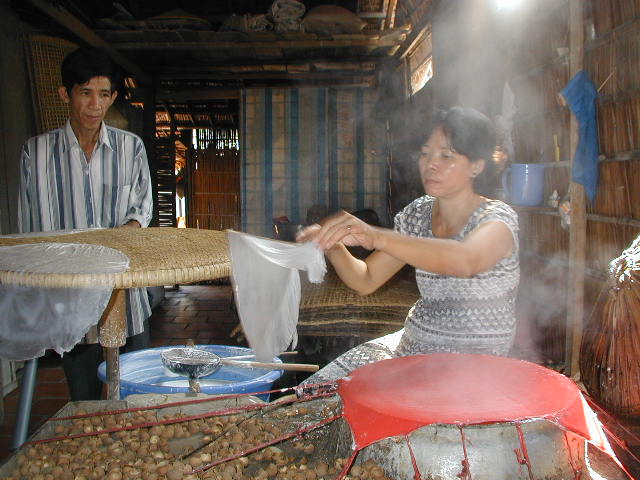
{"points": [[215, 194], [610, 14], [542, 234], [605, 241], [618, 193]]}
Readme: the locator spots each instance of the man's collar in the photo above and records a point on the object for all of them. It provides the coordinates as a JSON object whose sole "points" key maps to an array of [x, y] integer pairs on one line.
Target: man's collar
{"points": [[103, 137]]}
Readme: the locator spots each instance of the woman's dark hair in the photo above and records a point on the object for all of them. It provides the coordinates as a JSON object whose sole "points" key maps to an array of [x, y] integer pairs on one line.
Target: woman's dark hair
{"points": [[471, 134], [84, 63]]}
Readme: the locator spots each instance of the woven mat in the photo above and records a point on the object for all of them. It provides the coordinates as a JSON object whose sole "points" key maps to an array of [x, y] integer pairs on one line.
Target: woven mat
{"points": [[333, 309], [159, 256], [332, 292]]}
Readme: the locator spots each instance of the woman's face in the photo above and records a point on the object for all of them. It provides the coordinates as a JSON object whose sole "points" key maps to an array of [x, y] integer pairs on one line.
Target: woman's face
{"points": [[443, 171]]}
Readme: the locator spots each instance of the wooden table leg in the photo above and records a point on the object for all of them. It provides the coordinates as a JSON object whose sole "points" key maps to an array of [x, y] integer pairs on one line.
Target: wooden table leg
{"points": [[113, 335]]}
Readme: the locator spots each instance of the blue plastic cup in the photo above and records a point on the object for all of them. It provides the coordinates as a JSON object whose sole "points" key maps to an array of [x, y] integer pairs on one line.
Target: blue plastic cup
{"points": [[523, 184]]}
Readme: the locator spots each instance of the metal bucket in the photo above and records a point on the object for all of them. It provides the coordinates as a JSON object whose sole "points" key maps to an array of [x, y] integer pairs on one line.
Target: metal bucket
{"points": [[490, 451]]}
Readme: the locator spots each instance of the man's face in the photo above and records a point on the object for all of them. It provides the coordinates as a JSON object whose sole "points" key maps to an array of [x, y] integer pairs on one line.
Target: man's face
{"points": [[88, 103]]}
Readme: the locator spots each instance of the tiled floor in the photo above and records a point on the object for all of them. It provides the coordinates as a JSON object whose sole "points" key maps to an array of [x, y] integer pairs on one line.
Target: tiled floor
{"points": [[204, 313]]}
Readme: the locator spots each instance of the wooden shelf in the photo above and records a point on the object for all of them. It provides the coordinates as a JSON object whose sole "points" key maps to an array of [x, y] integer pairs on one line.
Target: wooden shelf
{"points": [[626, 221], [593, 217], [541, 210], [620, 157]]}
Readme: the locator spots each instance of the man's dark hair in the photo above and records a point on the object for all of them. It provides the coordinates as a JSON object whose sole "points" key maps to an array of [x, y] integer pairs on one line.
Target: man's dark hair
{"points": [[84, 63]]}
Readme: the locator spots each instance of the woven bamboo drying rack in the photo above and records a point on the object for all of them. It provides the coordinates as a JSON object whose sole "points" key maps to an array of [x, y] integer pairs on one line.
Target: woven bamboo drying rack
{"points": [[158, 256]]}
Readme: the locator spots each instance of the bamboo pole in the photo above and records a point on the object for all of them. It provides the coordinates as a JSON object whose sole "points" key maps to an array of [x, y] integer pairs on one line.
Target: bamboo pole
{"points": [[577, 232]]}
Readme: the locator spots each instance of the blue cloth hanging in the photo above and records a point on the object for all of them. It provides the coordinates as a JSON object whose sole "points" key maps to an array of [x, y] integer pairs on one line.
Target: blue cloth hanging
{"points": [[580, 95]]}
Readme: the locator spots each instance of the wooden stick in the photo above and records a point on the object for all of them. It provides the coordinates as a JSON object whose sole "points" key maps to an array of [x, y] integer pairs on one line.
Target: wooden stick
{"points": [[300, 367], [113, 335]]}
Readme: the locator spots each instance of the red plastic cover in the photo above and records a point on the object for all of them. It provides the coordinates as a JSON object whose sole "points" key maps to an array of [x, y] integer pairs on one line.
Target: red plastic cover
{"points": [[396, 396]]}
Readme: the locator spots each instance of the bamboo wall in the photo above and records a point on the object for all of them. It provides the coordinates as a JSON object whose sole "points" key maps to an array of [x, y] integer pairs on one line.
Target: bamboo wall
{"points": [[612, 58], [540, 70], [309, 146]]}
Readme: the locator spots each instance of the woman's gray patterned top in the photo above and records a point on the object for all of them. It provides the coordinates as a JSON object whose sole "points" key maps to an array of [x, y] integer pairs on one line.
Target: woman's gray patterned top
{"points": [[459, 315], [466, 315]]}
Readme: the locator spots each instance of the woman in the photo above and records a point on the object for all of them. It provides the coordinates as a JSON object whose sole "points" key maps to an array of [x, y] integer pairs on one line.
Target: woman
{"points": [[463, 246]]}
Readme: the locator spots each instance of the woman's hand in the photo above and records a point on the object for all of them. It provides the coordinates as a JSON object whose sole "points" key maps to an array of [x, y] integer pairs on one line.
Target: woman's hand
{"points": [[340, 228]]}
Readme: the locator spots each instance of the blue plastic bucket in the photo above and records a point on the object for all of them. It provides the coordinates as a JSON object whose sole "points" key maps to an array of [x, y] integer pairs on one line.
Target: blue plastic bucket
{"points": [[142, 372]]}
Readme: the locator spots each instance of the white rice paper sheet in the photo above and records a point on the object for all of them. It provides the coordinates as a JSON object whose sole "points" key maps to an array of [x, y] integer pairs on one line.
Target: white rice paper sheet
{"points": [[266, 285], [34, 319]]}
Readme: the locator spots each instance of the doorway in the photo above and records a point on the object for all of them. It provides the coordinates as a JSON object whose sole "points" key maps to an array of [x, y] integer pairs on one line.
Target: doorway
{"points": [[198, 164], [214, 170]]}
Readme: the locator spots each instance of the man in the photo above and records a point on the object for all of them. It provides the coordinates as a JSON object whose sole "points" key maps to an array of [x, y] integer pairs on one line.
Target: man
{"points": [[88, 175]]}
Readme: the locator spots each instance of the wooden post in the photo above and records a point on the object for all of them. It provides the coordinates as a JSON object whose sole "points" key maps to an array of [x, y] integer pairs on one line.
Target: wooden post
{"points": [[149, 137], [113, 335], [578, 227]]}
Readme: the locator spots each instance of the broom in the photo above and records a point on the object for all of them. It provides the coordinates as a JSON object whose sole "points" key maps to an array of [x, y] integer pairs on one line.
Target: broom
{"points": [[610, 350]]}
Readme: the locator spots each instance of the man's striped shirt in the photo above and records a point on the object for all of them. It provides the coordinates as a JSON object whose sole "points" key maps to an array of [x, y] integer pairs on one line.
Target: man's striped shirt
{"points": [[60, 190]]}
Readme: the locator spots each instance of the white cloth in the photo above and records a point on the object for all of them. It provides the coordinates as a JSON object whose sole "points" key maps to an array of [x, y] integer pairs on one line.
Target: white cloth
{"points": [[61, 190], [504, 121], [266, 285], [35, 319]]}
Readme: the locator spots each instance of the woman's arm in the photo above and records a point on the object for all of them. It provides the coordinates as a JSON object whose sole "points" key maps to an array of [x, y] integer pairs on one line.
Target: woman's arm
{"points": [[363, 276], [485, 246]]}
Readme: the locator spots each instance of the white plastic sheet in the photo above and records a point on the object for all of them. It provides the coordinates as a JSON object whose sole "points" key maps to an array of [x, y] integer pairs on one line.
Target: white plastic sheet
{"points": [[34, 319], [266, 285]]}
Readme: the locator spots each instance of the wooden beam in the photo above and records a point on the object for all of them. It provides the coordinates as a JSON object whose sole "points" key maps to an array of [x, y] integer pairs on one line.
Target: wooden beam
{"points": [[198, 94], [342, 76], [374, 15], [391, 41], [75, 26], [578, 227], [390, 21], [414, 40]]}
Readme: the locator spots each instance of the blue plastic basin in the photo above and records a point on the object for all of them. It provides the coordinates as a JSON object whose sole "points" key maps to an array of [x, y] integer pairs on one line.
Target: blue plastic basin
{"points": [[142, 372]]}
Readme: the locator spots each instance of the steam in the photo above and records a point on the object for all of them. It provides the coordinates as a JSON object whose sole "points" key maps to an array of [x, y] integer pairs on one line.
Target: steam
{"points": [[541, 313]]}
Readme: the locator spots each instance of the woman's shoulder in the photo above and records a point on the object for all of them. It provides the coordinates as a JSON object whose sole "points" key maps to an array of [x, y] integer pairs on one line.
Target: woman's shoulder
{"points": [[420, 204], [412, 217], [497, 210]]}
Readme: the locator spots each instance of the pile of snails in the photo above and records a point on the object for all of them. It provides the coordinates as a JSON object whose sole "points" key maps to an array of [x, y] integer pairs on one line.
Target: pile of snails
{"points": [[184, 450]]}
